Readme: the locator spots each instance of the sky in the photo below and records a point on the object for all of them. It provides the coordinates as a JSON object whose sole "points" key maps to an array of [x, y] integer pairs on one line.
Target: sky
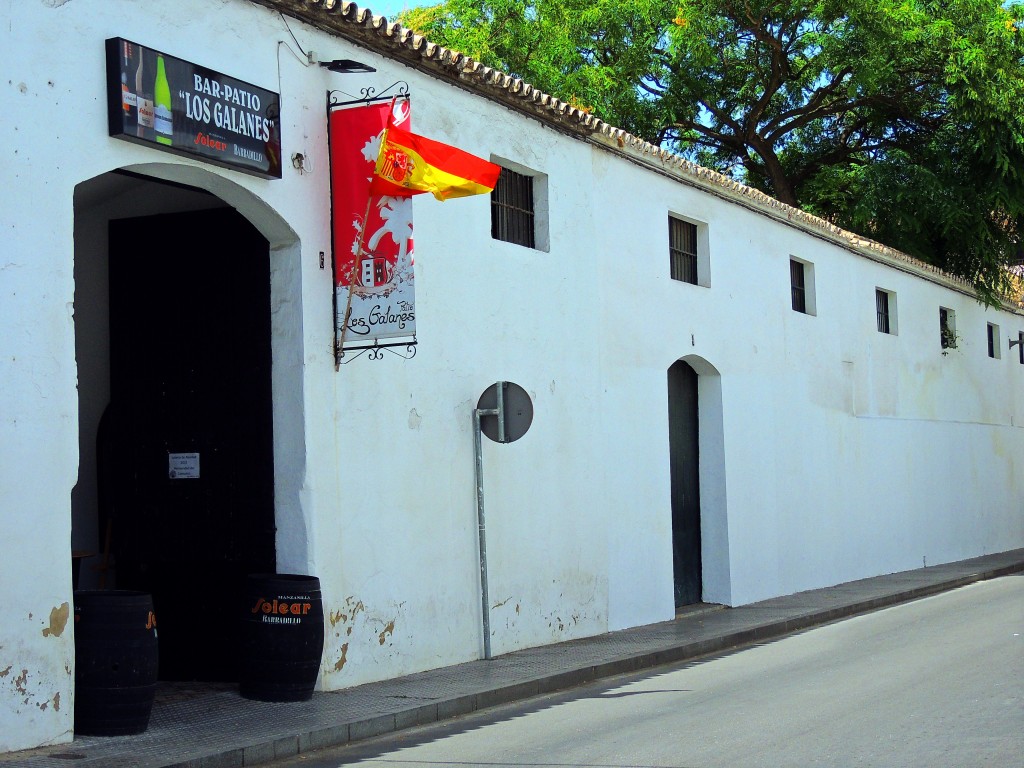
{"points": [[391, 8]]}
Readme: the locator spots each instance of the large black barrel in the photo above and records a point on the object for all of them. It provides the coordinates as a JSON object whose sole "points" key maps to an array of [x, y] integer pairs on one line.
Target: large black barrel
{"points": [[116, 661], [282, 637]]}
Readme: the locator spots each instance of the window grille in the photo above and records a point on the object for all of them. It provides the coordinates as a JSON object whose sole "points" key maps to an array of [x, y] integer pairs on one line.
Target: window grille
{"points": [[682, 247], [512, 211], [993, 335], [798, 288], [882, 310]]}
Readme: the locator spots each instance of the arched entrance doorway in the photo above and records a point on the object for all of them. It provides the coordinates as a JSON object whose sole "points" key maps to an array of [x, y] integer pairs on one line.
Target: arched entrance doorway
{"points": [[700, 529], [189, 433], [183, 455], [684, 459]]}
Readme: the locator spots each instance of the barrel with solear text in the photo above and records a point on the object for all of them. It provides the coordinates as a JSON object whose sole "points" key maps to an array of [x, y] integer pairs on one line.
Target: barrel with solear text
{"points": [[282, 637]]}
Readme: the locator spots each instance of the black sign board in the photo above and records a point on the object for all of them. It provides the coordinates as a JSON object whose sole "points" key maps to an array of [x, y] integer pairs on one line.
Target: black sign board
{"points": [[514, 410], [174, 105]]}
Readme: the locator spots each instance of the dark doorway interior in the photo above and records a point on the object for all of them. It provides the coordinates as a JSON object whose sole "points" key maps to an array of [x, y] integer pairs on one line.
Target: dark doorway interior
{"points": [[190, 374], [683, 452]]}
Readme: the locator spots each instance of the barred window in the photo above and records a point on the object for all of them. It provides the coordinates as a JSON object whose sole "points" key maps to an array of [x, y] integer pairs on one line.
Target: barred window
{"points": [[512, 209], [682, 248], [797, 285], [882, 310]]}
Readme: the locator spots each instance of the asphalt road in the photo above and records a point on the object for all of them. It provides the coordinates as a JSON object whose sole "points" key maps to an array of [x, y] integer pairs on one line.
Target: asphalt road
{"points": [[937, 682]]}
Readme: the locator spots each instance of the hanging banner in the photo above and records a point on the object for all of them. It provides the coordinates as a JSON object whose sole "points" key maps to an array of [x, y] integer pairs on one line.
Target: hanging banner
{"points": [[177, 106], [373, 250]]}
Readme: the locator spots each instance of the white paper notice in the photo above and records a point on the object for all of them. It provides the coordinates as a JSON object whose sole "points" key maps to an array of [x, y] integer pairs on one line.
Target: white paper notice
{"points": [[183, 466]]}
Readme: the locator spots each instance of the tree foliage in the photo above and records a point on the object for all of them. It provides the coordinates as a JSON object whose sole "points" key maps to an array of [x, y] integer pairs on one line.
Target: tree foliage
{"points": [[902, 120], [595, 54]]}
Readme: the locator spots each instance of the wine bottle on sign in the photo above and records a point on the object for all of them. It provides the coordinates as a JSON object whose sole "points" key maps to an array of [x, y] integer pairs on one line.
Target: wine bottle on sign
{"points": [[162, 115], [129, 107], [144, 98]]}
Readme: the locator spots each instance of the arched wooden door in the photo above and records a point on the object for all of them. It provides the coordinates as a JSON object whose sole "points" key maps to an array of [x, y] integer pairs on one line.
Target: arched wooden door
{"points": [[190, 427], [684, 461]]}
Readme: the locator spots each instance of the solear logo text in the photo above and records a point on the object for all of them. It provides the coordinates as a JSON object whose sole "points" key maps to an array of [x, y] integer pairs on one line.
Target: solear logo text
{"points": [[284, 610]]}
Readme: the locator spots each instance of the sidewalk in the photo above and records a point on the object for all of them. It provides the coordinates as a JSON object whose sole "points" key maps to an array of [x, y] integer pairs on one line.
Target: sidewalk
{"points": [[211, 726]]}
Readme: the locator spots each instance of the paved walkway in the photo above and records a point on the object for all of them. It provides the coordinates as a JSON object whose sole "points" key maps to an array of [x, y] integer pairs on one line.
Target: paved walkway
{"points": [[211, 726]]}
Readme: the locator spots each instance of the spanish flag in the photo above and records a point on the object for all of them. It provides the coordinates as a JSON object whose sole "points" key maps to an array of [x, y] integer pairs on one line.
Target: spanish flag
{"points": [[410, 165]]}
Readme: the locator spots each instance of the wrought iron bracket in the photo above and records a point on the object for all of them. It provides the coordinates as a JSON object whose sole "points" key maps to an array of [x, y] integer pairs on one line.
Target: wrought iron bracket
{"points": [[367, 95], [376, 351]]}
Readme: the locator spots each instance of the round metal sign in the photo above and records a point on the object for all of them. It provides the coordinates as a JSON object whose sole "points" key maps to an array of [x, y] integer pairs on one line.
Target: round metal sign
{"points": [[515, 407]]}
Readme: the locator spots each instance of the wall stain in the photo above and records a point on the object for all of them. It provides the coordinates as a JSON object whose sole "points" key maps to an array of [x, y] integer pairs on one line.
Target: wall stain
{"points": [[350, 604], [6, 672], [58, 621], [512, 616], [56, 702], [344, 658], [20, 682], [359, 630]]}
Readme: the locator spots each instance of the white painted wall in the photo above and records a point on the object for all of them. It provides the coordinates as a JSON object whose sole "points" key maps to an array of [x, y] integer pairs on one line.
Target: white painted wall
{"points": [[829, 451]]}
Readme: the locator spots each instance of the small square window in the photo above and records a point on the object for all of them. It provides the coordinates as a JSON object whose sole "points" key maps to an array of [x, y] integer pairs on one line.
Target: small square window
{"points": [[993, 341], [519, 206], [801, 286], [688, 248], [512, 211], [947, 328], [886, 316], [682, 248]]}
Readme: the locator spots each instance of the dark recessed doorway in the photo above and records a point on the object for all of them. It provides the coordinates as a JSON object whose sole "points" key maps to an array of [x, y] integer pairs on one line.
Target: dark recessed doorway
{"points": [[186, 447], [684, 461]]}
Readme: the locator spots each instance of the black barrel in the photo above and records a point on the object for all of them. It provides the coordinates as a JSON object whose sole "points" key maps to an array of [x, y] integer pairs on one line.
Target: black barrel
{"points": [[116, 660], [282, 637]]}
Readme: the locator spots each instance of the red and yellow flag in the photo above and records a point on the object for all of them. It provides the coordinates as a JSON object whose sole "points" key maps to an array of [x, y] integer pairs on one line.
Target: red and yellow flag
{"points": [[410, 165]]}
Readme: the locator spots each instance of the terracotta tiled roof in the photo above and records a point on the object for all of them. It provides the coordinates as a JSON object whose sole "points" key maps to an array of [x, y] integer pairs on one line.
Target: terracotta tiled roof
{"points": [[376, 33]]}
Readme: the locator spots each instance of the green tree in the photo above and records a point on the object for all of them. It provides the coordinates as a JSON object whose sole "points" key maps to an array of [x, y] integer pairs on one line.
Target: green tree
{"points": [[898, 119], [598, 55]]}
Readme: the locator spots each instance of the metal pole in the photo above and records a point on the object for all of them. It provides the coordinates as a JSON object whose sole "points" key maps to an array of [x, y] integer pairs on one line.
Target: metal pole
{"points": [[481, 527], [500, 397]]}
